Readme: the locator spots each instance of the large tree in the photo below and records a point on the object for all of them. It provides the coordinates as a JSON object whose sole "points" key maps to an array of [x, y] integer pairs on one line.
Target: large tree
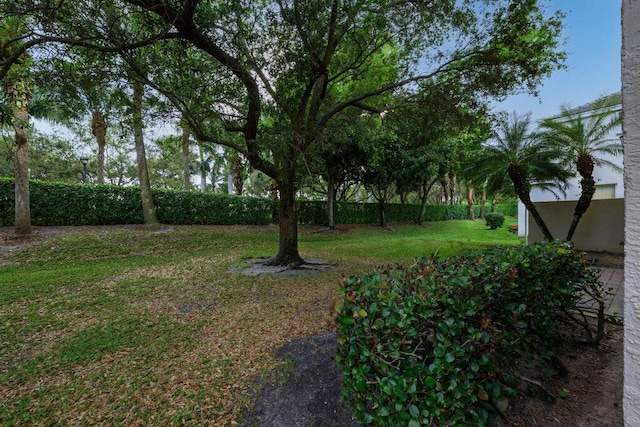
{"points": [[290, 59], [585, 138]]}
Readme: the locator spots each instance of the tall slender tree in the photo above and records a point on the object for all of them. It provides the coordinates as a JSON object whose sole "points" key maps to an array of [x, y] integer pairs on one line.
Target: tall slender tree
{"points": [[148, 206], [585, 138], [16, 86]]}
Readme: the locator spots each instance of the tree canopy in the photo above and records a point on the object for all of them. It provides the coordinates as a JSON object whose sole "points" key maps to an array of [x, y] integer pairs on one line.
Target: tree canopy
{"points": [[228, 65]]}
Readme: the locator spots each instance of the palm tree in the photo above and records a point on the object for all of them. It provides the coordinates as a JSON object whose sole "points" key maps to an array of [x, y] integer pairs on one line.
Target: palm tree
{"points": [[584, 141], [16, 87], [514, 153]]}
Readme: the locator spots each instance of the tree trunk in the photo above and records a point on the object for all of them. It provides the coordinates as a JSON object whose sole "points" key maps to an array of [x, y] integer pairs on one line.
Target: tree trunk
{"points": [[288, 222], [452, 187], [186, 171], [471, 213], [445, 190], [585, 165], [483, 202], [19, 95], [331, 197], [203, 172], [148, 208], [99, 130], [423, 199], [236, 169], [381, 210], [22, 194], [522, 190]]}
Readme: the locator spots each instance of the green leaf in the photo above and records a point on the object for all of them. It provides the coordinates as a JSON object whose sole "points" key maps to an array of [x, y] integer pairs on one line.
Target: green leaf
{"points": [[414, 411]]}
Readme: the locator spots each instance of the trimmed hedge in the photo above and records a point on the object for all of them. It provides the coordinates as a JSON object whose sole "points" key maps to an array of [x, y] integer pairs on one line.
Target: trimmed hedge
{"points": [[72, 204], [76, 204], [438, 343]]}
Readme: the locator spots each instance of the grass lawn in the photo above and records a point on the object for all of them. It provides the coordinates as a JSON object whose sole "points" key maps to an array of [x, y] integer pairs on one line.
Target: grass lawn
{"points": [[128, 326]]}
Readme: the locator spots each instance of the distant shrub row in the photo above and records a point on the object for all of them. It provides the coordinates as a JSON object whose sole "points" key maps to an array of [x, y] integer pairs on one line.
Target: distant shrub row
{"points": [[73, 204]]}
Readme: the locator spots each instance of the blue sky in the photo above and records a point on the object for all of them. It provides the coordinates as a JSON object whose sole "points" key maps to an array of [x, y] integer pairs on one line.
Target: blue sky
{"points": [[593, 39]]}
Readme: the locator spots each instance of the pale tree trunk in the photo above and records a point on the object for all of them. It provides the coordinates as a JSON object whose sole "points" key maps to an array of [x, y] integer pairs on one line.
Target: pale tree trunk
{"points": [[452, 187], [236, 170], [472, 214], [19, 95], [186, 172], [99, 130], [148, 208], [483, 202], [445, 189]]}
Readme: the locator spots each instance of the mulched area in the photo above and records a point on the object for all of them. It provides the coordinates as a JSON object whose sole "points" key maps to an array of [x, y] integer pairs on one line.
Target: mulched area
{"points": [[307, 392]]}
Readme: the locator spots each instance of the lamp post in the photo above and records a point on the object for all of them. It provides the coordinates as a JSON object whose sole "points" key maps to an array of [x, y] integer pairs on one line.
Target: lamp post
{"points": [[84, 160]]}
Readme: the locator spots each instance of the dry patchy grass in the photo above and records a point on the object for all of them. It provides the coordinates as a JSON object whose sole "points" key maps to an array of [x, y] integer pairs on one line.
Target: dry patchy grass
{"points": [[130, 326]]}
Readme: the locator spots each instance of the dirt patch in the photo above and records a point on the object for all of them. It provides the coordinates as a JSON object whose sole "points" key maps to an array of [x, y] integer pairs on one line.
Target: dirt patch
{"points": [[258, 266], [606, 259], [593, 386], [307, 392]]}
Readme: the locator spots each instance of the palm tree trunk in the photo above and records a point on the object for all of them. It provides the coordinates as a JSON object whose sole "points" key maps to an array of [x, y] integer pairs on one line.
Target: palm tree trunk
{"points": [[483, 202], [148, 208], [452, 187], [19, 95], [445, 191], [471, 213], [522, 190], [22, 194], [236, 169], [588, 186]]}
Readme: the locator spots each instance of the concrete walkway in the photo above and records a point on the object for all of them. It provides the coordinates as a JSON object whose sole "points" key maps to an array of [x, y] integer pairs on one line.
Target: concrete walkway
{"points": [[613, 281]]}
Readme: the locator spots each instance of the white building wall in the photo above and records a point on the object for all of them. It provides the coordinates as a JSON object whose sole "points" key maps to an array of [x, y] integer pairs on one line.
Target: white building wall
{"points": [[603, 175], [609, 185], [631, 136]]}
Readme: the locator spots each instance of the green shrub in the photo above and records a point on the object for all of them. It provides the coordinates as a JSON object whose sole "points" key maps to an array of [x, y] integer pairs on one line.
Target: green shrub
{"points": [[433, 343], [77, 204], [72, 204], [494, 220]]}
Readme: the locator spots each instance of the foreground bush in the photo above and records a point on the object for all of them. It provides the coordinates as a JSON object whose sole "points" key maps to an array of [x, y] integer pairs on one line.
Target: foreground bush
{"points": [[433, 343]]}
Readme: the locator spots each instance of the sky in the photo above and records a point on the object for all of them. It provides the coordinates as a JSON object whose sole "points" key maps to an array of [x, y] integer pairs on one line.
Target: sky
{"points": [[592, 36]]}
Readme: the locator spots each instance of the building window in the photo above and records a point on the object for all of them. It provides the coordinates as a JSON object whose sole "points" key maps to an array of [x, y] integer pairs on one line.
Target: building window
{"points": [[605, 191]]}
